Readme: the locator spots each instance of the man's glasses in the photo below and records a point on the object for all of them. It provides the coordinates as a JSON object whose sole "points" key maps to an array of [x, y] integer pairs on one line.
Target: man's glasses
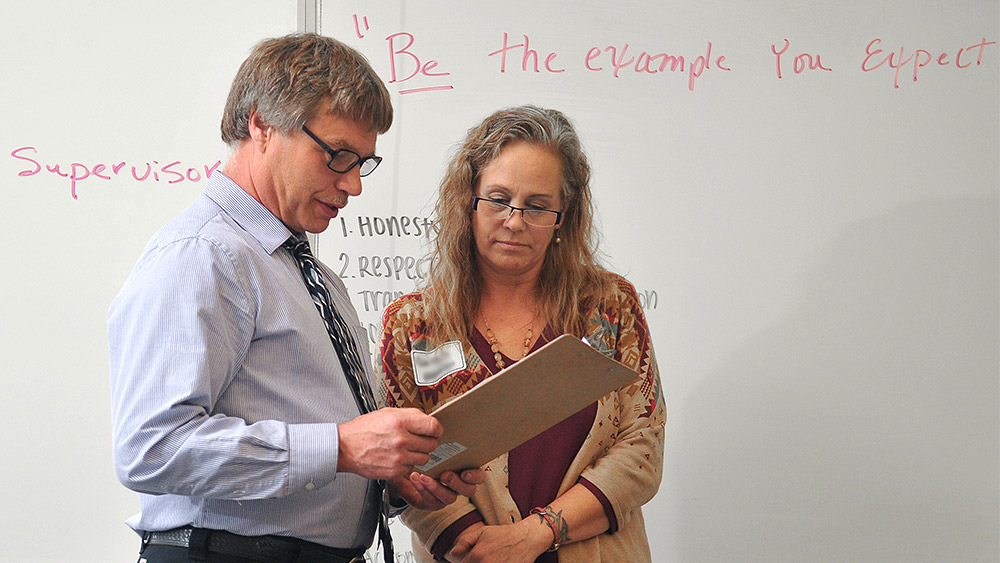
{"points": [[533, 216], [343, 160]]}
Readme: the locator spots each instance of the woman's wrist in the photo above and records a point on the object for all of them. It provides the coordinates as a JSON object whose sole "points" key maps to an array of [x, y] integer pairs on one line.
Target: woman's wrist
{"points": [[548, 521], [538, 535]]}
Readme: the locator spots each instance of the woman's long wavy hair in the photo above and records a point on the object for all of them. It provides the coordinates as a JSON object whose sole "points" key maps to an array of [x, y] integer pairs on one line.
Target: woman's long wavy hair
{"points": [[571, 282]]}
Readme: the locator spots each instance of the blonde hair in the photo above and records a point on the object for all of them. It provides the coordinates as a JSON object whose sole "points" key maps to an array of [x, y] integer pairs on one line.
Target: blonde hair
{"points": [[571, 282], [286, 79]]}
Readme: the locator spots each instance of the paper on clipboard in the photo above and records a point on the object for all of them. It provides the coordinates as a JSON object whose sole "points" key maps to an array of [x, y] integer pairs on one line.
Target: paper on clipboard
{"points": [[522, 401]]}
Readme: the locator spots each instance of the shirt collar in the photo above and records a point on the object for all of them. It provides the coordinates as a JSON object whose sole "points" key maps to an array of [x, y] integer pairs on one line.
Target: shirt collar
{"points": [[248, 213]]}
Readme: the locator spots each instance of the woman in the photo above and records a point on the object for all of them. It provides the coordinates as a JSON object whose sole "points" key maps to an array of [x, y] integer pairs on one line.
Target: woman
{"points": [[512, 267]]}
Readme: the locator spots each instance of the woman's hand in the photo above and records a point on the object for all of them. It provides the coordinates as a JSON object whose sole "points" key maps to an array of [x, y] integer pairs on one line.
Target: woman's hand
{"points": [[522, 541]]}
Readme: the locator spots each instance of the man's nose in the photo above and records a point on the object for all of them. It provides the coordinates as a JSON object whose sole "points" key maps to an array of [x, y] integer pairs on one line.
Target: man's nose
{"points": [[350, 182]]}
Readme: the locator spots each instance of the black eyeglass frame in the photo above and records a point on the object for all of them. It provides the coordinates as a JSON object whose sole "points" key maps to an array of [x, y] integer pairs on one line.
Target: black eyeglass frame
{"points": [[333, 154], [559, 214]]}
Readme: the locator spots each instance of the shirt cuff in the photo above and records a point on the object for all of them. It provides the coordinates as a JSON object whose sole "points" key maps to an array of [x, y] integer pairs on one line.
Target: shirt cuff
{"points": [[312, 456], [446, 540], [609, 511]]}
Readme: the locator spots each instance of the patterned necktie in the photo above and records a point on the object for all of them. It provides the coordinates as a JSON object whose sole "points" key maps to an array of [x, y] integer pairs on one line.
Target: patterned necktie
{"points": [[340, 335], [350, 361]]}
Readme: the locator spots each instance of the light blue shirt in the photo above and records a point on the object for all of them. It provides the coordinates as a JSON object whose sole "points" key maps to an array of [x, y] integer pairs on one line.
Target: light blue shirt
{"points": [[226, 389]]}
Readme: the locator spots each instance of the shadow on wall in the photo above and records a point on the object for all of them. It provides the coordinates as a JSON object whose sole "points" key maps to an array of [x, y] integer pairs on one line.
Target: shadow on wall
{"points": [[865, 426]]}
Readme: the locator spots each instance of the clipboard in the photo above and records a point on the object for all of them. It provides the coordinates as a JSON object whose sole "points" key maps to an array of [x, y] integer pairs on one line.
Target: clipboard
{"points": [[522, 401]]}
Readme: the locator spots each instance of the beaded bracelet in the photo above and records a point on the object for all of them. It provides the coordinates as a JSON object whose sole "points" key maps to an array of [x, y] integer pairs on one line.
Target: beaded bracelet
{"points": [[546, 514]]}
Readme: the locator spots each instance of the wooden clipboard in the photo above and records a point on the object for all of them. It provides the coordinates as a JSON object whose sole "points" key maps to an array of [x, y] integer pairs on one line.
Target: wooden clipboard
{"points": [[522, 401]]}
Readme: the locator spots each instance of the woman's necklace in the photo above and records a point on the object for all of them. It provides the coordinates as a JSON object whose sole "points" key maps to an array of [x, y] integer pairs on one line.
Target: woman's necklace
{"points": [[496, 348]]}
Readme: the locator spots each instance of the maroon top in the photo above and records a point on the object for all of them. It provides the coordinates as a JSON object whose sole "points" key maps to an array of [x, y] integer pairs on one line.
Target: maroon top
{"points": [[537, 467]]}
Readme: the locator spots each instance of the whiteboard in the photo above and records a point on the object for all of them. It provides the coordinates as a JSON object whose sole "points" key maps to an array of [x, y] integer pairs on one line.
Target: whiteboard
{"points": [[817, 252], [86, 87]]}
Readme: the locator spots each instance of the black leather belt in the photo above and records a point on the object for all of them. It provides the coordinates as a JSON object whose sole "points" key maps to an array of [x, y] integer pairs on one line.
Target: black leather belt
{"points": [[266, 549]]}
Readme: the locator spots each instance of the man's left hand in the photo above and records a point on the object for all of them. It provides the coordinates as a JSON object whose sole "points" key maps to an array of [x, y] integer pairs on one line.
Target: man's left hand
{"points": [[427, 493]]}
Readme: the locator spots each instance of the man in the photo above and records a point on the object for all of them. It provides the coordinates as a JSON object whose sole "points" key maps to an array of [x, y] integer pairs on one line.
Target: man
{"points": [[238, 414]]}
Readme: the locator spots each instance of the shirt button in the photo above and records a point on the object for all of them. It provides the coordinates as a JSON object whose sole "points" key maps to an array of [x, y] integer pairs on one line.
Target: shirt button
{"points": [[310, 485]]}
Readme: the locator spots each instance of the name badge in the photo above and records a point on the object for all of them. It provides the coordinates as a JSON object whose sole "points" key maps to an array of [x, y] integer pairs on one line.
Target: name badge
{"points": [[437, 364]]}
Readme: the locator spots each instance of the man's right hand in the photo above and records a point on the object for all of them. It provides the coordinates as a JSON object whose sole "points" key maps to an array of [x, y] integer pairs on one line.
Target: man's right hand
{"points": [[387, 443]]}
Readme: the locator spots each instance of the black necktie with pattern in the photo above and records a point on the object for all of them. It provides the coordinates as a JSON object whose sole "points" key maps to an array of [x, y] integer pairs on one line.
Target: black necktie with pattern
{"points": [[350, 360]]}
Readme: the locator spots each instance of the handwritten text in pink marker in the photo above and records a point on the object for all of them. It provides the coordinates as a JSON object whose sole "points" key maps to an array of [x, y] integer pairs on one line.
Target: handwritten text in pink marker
{"points": [[529, 56], [76, 172], [800, 63], [399, 53], [653, 63], [963, 58]]}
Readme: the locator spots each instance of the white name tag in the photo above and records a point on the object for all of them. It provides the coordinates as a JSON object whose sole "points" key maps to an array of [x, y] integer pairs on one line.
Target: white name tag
{"points": [[437, 364]]}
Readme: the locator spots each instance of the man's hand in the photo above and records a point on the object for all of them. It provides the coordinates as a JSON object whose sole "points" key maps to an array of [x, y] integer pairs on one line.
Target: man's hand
{"points": [[426, 493], [387, 443]]}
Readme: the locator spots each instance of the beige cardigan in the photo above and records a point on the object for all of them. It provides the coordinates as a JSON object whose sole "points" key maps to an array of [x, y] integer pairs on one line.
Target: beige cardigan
{"points": [[622, 454]]}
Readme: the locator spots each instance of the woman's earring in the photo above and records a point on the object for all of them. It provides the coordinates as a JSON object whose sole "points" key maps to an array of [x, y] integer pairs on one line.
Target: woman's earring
{"points": [[558, 240]]}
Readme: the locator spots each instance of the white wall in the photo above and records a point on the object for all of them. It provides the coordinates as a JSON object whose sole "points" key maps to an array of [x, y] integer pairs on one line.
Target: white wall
{"points": [[819, 253]]}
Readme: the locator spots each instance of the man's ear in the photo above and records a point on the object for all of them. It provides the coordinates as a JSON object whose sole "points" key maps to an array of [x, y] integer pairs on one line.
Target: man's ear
{"points": [[260, 132]]}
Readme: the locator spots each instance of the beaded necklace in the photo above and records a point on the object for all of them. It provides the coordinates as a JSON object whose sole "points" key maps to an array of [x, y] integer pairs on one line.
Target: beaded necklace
{"points": [[496, 348]]}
